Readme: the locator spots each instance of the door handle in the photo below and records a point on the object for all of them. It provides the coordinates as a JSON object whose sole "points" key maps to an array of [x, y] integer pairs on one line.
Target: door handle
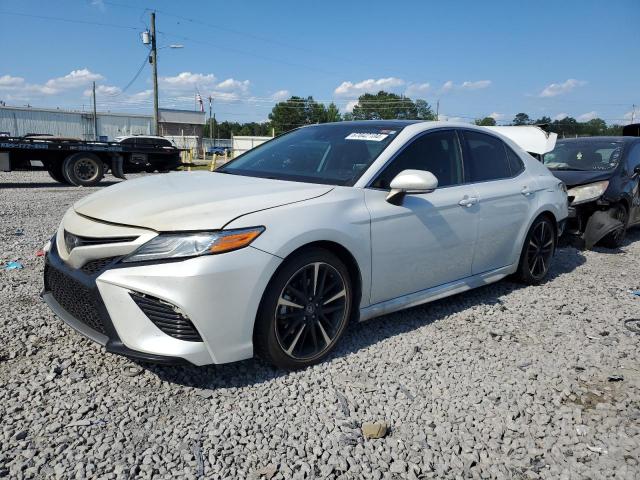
{"points": [[526, 191], [468, 201]]}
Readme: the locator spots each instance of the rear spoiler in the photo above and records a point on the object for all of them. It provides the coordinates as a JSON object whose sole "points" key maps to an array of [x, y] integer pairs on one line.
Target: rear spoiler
{"points": [[529, 137]]}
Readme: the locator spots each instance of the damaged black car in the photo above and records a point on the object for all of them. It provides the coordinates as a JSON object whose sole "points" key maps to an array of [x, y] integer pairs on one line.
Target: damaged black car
{"points": [[602, 176]]}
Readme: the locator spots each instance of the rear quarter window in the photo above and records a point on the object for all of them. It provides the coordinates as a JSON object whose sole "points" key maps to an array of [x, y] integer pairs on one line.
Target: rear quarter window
{"points": [[515, 162]]}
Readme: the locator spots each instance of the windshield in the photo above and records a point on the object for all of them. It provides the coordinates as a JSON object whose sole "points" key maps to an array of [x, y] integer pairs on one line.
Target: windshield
{"points": [[585, 155], [334, 154]]}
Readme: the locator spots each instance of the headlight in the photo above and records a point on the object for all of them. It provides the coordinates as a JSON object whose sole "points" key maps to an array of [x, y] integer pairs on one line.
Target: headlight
{"points": [[182, 245], [587, 193]]}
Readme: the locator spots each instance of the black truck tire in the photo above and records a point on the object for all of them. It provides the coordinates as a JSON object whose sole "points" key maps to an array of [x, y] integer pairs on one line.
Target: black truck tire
{"points": [[83, 169], [55, 172]]}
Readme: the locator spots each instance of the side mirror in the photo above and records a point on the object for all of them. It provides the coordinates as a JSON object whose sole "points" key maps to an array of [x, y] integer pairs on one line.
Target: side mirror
{"points": [[411, 181]]}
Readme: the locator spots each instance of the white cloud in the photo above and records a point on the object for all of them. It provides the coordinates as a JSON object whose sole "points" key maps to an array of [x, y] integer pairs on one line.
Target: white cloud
{"points": [[108, 90], [475, 85], [23, 90], [187, 81], [560, 88], [449, 86], [417, 89], [585, 117], [280, 95], [560, 116], [8, 82], [74, 79], [231, 84], [497, 116], [350, 89], [350, 105]]}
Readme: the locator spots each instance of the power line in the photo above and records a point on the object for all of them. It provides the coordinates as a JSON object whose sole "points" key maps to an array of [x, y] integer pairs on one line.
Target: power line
{"points": [[69, 20]]}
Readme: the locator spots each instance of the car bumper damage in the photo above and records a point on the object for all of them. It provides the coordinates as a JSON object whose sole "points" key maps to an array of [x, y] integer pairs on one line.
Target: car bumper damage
{"points": [[591, 222]]}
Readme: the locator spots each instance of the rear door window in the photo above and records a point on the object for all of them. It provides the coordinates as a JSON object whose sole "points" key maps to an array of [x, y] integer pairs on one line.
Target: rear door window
{"points": [[485, 157]]}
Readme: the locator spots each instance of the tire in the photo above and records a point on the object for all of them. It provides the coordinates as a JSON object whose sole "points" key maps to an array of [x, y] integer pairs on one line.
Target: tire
{"points": [[83, 169], [295, 328], [616, 239], [537, 252], [55, 172]]}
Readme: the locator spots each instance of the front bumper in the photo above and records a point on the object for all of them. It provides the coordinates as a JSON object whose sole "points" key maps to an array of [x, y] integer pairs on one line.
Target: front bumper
{"points": [[219, 294]]}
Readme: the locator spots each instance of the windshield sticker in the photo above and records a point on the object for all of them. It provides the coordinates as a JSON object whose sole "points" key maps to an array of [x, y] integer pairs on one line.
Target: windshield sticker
{"points": [[388, 132], [375, 137]]}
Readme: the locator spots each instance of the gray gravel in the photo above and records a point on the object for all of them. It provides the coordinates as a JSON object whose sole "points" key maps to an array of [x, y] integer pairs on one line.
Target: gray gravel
{"points": [[501, 382]]}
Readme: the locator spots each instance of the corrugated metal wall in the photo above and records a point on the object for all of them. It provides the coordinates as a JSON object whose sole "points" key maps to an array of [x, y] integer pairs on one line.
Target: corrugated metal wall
{"points": [[21, 121]]}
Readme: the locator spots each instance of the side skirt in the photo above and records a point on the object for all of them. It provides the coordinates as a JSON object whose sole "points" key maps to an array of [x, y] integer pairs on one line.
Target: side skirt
{"points": [[435, 293]]}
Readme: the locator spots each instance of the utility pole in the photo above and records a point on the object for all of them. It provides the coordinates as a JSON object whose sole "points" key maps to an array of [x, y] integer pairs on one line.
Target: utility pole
{"points": [[210, 117], [438, 110], [154, 63], [95, 114], [633, 112]]}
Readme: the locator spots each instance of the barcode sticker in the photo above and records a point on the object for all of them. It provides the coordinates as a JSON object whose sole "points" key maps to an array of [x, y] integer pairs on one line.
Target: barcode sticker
{"points": [[374, 137]]}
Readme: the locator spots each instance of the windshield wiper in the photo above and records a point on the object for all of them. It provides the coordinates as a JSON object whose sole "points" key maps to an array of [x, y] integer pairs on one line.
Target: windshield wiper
{"points": [[568, 168]]}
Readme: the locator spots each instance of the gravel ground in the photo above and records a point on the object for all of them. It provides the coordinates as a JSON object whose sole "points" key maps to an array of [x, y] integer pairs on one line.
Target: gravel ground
{"points": [[502, 382]]}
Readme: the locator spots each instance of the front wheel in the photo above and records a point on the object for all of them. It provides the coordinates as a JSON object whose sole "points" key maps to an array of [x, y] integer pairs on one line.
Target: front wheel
{"points": [[616, 238], [537, 252], [304, 311]]}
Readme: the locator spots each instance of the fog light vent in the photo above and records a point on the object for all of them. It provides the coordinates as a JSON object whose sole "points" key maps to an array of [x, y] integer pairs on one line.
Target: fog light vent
{"points": [[166, 317]]}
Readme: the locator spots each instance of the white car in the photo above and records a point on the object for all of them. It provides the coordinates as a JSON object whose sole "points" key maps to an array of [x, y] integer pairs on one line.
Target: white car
{"points": [[274, 253]]}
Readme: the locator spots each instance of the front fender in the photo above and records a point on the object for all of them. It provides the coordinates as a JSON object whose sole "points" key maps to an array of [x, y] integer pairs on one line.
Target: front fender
{"points": [[339, 217]]}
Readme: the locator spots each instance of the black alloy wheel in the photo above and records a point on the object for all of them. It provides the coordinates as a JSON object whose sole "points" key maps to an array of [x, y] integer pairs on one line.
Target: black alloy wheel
{"points": [[304, 310], [310, 311], [537, 252], [540, 250]]}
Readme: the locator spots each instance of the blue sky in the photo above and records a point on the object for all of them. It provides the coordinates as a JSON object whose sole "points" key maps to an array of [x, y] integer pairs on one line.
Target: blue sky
{"points": [[477, 58]]}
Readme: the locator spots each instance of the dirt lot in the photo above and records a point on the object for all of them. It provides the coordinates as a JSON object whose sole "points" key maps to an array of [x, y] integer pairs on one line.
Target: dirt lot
{"points": [[502, 382]]}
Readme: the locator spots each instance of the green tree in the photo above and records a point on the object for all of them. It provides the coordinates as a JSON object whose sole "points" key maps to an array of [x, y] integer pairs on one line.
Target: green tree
{"points": [[384, 106], [296, 112], [521, 119], [333, 113], [486, 122], [542, 121], [424, 110]]}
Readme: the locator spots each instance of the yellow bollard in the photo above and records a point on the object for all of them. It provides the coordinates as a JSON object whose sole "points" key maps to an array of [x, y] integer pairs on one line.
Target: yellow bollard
{"points": [[190, 159], [212, 167]]}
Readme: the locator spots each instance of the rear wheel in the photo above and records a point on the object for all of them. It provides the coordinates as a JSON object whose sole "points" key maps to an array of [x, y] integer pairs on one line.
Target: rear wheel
{"points": [[55, 172], [83, 169], [304, 311], [616, 238], [537, 252]]}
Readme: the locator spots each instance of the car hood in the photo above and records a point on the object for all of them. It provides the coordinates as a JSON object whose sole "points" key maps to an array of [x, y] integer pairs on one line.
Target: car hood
{"points": [[573, 178], [191, 200]]}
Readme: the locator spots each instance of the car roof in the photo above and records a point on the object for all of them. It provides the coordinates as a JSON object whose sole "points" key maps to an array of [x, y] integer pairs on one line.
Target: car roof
{"points": [[370, 123]]}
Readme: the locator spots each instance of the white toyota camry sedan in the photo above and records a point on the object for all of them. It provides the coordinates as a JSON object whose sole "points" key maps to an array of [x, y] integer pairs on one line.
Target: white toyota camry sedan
{"points": [[277, 251]]}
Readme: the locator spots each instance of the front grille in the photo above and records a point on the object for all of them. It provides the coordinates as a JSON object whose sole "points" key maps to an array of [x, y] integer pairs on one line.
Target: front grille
{"points": [[80, 302], [94, 266], [166, 317], [72, 241]]}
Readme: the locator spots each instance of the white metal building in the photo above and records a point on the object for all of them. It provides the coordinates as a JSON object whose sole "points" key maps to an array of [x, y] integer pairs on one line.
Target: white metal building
{"points": [[19, 121]]}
